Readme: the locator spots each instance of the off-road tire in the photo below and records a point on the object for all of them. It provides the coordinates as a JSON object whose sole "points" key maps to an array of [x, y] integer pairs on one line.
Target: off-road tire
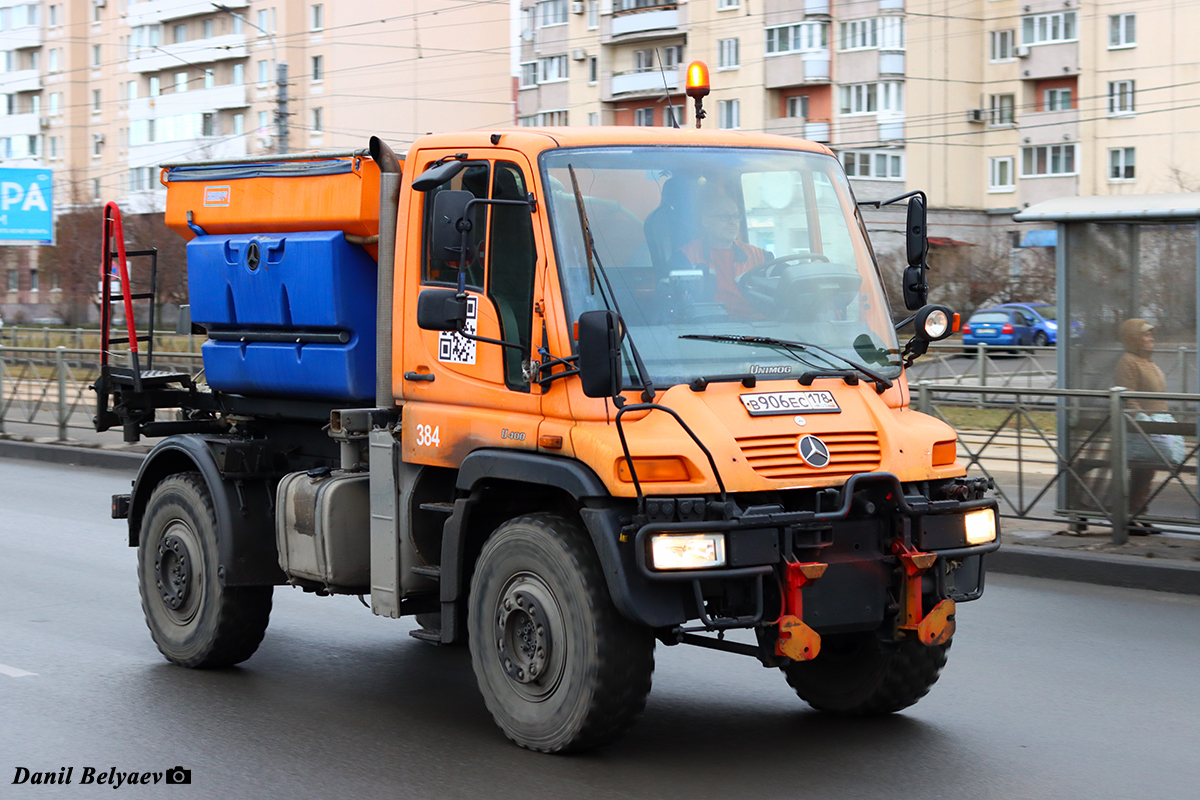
{"points": [[854, 676], [593, 667], [1040, 339], [210, 625]]}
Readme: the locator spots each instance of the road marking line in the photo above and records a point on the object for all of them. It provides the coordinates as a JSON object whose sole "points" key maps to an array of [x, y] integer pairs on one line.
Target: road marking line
{"points": [[13, 672]]}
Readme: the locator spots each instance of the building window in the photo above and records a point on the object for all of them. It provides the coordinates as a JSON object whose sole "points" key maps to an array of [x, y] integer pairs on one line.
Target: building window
{"points": [[318, 16], [97, 145], [803, 38], [529, 73], [1000, 175], [1122, 31], [95, 101], [544, 119], [55, 103], [1002, 45], [673, 116], [891, 33], [593, 69], [729, 114], [14, 280], [264, 123], [207, 28], [643, 60], [869, 98], [54, 66], [239, 124], [179, 34], [552, 12], [643, 116], [132, 92], [96, 11], [318, 68], [883, 165], [1002, 110], [1120, 164], [318, 120], [551, 69], [797, 107], [727, 53], [237, 26], [239, 74], [95, 188], [181, 82], [210, 79], [263, 74], [33, 280], [593, 118], [593, 14], [264, 22], [672, 56], [1045, 28], [208, 125], [860, 34], [155, 86], [33, 145], [1120, 97], [1057, 100], [723, 5], [54, 147], [95, 55], [1055, 159], [53, 19]]}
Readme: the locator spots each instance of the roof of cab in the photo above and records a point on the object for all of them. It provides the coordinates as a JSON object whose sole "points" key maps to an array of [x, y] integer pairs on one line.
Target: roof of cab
{"points": [[534, 140]]}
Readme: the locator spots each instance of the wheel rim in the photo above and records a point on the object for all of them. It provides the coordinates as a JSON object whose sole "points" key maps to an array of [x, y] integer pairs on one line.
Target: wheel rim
{"points": [[177, 573], [529, 637]]}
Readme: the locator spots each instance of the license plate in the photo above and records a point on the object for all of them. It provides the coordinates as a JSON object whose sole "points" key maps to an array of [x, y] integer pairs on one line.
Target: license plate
{"points": [[768, 403]]}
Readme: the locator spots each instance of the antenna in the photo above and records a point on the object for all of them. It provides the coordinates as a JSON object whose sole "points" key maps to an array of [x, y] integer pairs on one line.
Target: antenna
{"points": [[666, 90]]}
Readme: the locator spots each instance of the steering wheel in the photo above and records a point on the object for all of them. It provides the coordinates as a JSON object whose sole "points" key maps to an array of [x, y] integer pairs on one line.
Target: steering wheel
{"points": [[761, 283]]}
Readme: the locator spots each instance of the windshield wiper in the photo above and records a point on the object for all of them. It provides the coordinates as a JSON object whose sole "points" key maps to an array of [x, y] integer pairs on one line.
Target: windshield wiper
{"points": [[882, 383]]}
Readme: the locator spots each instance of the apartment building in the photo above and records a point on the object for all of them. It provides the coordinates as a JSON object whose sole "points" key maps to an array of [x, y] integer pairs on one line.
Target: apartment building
{"points": [[987, 105], [104, 91]]}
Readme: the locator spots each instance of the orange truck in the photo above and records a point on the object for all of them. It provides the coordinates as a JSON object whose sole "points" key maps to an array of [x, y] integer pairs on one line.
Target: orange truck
{"points": [[561, 394]]}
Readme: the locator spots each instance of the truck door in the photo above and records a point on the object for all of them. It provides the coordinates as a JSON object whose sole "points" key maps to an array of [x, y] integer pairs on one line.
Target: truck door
{"points": [[460, 394]]}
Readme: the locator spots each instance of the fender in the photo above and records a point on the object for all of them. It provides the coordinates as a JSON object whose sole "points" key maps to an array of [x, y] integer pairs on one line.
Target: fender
{"points": [[244, 506], [654, 605]]}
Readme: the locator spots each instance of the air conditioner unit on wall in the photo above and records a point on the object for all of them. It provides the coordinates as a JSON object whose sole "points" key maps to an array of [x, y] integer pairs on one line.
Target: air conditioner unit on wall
{"points": [[1021, 51], [976, 115], [577, 7], [578, 54]]}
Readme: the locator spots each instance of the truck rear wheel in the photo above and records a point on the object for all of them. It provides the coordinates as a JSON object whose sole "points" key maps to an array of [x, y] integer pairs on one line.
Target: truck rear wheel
{"points": [[852, 675], [559, 668], [194, 620]]}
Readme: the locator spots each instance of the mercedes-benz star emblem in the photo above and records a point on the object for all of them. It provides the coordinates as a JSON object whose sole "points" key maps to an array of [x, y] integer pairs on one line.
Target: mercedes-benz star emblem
{"points": [[813, 451]]}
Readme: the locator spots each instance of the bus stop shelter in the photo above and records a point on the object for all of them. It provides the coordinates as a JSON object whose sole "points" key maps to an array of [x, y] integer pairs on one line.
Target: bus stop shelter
{"points": [[1120, 258]]}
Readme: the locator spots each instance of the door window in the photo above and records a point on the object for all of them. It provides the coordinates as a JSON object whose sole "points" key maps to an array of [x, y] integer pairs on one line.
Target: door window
{"points": [[473, 179], [512, 256]]}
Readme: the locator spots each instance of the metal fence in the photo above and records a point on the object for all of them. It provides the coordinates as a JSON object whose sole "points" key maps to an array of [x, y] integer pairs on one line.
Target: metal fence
{"points": [[50, 387], [89, 339], [1119, 466]]}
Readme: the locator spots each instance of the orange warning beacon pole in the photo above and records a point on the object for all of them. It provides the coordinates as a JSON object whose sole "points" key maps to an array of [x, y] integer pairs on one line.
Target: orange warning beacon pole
{"points": [[697, 87]]}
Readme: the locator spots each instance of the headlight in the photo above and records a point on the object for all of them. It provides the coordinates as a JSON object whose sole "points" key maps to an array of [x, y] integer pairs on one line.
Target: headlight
{"points": [[981, 526], [687, 550], [937, 324]]}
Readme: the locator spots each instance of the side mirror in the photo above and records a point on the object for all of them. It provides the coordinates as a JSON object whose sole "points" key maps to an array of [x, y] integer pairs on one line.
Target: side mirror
{"points": [[435, 177], [915, 235], [441, 310], [916, 288], [600, 334], [450, 222]]}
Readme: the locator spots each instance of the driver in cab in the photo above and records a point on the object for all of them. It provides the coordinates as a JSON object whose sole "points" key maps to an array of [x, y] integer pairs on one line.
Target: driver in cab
{"points": [[721, 255]]}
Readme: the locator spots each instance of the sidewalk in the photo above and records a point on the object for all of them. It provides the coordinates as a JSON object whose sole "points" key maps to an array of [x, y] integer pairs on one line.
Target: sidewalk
{"points": [[1164, 562]]}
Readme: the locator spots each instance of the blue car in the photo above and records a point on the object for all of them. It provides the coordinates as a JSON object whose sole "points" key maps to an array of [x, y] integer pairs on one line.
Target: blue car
{"points": [[999, 327], [1045, 320]]}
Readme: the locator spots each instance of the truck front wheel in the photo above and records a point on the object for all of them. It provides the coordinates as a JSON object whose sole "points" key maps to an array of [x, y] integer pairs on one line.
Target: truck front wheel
{"points": [[194, 620], [854, 675], [559, 668]]}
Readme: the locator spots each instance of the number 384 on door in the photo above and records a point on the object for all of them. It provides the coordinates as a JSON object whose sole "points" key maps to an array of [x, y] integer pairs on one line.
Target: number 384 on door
{"points": [[428, 436]]}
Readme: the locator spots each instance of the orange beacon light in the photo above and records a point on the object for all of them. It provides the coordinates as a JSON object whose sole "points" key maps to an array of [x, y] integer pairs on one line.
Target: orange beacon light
{"points": [[697, 86]]}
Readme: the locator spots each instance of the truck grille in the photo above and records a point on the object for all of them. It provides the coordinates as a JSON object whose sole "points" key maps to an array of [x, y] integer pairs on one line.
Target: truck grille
{"points": [[775, 457]]}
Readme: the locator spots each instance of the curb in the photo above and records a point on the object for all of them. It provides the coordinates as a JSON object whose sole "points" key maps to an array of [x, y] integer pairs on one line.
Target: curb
{"points": [[1106, 569], [70, 454]]}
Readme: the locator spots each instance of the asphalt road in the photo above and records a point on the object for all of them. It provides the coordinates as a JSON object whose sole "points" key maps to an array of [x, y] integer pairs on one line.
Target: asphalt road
{"points": [[1053, 690]]}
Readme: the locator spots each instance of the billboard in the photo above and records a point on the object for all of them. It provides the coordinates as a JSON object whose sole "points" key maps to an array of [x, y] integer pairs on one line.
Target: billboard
{"points": [[25, 206]]}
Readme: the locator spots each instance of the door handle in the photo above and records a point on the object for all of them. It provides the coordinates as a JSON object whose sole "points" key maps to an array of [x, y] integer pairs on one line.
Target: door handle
{"points": [[419, 376]]}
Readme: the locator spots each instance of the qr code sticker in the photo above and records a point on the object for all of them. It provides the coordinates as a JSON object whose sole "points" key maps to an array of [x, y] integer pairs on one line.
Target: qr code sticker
{"points": [[455, 349]]}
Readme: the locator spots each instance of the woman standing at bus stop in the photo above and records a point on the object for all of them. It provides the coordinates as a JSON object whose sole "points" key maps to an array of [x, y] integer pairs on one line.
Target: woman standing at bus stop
{"points": [[1137, 372]]}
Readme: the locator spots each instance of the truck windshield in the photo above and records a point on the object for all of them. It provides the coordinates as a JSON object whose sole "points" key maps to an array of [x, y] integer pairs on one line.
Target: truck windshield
{"points": [[720, 241]]}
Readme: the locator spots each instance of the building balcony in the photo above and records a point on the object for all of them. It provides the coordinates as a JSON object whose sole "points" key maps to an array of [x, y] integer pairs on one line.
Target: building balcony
{"points": [[19, 38], [198, 101], [1050, 127], [786, 126], [155, 11], [891, 126], [891, 62], [817, 131], [1050, 61], [20, 125], [796, 69], [817, 7], [891, 5], [645, 82], [201, 51], [641, 20], [22, 80]]}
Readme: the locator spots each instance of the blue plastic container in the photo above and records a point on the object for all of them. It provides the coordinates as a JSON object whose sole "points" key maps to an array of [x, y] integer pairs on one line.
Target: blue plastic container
{"points": [[250, 290]]}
